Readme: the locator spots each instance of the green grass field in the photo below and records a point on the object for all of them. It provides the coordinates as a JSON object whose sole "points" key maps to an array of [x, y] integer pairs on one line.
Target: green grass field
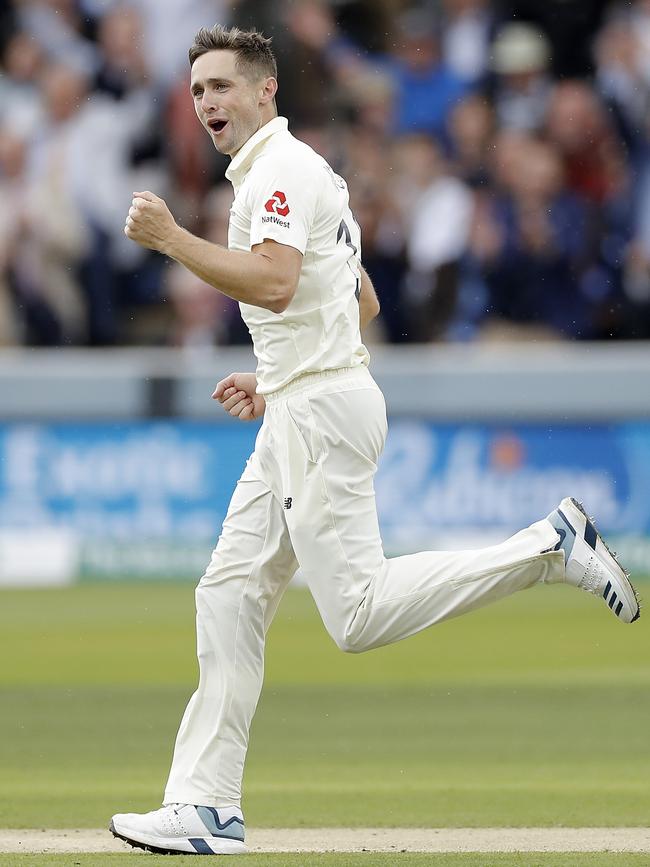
{"points": [[532, 712]]}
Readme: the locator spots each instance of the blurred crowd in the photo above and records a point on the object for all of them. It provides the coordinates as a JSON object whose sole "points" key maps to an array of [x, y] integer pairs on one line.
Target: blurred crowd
{"points": [[497, 156]]}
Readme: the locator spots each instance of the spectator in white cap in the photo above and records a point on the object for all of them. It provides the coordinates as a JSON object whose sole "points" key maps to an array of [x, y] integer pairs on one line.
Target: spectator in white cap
{"points": [[521, 57]]}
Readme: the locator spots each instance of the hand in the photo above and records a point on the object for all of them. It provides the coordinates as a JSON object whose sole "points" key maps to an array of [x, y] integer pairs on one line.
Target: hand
{"points": [[238, 395], [149, 221]]}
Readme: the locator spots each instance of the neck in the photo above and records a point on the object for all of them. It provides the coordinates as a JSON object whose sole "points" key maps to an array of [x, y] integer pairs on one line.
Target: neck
{"points": [[265, 117]]}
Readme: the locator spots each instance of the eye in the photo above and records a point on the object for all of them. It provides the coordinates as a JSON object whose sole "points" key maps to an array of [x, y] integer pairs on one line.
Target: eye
{"points": [[197, 94]]}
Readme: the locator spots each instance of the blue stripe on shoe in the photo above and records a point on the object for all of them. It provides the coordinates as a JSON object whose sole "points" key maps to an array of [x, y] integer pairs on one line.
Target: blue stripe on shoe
{"points": [[233, 828], [612, 600], [567, 536], [565, 519], [619, 608], [590, 534], [607, 589], [201, 846]]}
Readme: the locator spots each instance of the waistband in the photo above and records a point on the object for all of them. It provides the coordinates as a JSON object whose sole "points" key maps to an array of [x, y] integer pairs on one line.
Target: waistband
{"points": [[311, 380]]}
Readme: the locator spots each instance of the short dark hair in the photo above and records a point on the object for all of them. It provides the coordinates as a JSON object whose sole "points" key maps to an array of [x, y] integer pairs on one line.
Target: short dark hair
{"points": [[252, 49]]}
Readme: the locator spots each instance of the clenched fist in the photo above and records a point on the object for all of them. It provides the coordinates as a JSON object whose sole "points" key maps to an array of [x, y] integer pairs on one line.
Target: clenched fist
{"points": [[150, 222], [238, 395]]}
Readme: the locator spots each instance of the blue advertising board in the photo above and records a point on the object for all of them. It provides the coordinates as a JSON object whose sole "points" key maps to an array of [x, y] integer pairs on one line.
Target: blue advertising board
{"points": [[148, 498]]}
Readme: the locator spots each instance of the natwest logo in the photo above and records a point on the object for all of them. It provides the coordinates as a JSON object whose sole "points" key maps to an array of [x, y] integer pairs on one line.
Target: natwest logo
{"points": [[278, 204]]}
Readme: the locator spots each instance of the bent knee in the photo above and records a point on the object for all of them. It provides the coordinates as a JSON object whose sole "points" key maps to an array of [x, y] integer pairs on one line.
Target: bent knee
{"points": [[350, 644]]}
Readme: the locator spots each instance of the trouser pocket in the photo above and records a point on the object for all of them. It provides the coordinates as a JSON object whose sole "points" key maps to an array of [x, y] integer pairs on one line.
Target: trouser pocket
{"points": [[301, 420]]}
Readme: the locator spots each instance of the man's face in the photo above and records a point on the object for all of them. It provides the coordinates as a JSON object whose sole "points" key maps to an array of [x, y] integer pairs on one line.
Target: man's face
{"points": [[227, 103]]}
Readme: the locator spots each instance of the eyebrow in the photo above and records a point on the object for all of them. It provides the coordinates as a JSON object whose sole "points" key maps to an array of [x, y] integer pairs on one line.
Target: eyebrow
{"points": [[213, 81]]}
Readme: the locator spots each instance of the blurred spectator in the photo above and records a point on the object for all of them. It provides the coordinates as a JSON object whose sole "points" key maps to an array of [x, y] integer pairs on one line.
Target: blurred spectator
{"points": [[370, 169], [468, 28], [596, 169], [20, 97], [496, 191], [120, 148], [471, 130], [121, 66], [426, 89], [58, 26], [577, 125], [167, 29], [196, 311], [56, 231], [436, 211], [569, 26], [12, 200], [302, 67], [203, 316], [623, 73], [521, 57], [533, 246], [167, 37], [371, 100]]}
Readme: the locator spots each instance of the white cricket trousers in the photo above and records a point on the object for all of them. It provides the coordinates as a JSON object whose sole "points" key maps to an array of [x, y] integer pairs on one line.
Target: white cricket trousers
{"points": [[306, 499]]}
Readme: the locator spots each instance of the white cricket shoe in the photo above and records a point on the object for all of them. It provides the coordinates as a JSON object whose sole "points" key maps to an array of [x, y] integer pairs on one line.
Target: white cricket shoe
{"points": [[590, 565], [183, 828]]}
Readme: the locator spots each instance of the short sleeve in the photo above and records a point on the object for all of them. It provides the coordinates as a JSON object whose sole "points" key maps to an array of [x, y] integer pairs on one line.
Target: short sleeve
{"points": [[283, 206]]}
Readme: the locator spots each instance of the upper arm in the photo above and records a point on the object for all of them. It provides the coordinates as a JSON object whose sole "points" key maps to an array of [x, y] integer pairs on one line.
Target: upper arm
{"points": [[285, 262], [283, 197]]}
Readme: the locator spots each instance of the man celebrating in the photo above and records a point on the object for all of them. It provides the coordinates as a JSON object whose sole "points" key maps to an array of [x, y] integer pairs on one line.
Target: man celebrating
{"points": [[306, 497]]}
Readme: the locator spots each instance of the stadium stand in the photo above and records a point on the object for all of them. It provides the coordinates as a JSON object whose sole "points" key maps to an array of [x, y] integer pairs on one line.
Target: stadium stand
{"points": [[499, 174]]}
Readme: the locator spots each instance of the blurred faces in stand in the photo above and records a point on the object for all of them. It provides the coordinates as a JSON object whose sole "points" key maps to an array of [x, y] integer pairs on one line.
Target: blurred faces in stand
{"points": [[445, 106]]}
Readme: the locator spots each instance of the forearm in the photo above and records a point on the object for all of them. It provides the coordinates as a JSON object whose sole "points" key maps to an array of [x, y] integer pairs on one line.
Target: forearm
{"points": [[247, 277]]}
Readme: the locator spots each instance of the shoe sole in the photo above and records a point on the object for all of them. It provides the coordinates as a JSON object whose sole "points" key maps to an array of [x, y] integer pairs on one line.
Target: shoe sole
{"points": [[602, 549], [200, 846]]}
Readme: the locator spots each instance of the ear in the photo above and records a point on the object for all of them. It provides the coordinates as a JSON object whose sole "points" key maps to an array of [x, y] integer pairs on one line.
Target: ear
{"points": [[268, 90]]}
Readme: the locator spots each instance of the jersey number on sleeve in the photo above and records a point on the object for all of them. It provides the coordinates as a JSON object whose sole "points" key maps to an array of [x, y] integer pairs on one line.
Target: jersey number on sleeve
{"points": [[344, 232]]}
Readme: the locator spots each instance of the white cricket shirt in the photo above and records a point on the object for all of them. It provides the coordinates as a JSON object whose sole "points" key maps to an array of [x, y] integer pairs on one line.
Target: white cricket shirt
{"points": [[286, 192]]}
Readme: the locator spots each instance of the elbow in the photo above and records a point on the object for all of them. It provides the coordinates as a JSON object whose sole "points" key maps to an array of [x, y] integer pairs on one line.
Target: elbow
{"points": [[281, 296], [369, 311]]}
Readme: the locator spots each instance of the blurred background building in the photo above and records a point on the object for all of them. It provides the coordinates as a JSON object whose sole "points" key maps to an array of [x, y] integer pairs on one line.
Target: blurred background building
{"points": [[498, 160]]}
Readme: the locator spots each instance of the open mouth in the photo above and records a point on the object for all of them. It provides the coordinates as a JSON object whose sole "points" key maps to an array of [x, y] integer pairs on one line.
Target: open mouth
{"points": [[217, 125]]}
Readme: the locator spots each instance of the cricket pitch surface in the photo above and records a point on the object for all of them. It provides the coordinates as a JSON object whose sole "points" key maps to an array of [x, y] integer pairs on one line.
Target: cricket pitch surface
{"points": [[360, 840]]}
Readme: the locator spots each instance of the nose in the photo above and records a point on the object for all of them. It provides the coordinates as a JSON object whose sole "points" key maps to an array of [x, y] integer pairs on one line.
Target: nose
{"points": [[208, 101]]}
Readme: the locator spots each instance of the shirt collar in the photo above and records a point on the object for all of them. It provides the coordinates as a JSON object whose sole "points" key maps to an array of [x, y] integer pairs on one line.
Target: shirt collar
{"points": [[243, 159]]}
